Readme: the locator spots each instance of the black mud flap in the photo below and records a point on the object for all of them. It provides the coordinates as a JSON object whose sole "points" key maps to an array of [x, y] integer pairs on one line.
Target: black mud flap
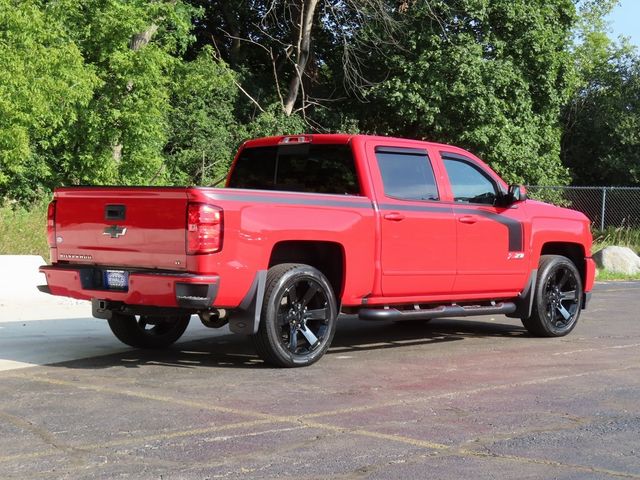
{"points": [[245, 320], [524, 303]]}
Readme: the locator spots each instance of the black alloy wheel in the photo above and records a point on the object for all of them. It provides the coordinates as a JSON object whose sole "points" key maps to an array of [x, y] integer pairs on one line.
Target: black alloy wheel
{"points": [[298, 316], [558, 298]]}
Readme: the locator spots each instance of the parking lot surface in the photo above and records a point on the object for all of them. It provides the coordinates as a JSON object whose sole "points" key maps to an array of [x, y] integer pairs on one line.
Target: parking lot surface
{"points": [[446, 399]]}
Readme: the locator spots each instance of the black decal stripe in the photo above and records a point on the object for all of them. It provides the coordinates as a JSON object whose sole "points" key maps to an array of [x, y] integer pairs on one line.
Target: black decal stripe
{"points": [[514, 227], [516, 241], [241, 197]]}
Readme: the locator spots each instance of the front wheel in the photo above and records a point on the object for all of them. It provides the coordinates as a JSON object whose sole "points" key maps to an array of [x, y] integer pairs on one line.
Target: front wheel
{"points": [[298, 318], [558, 298], [148, 331]]}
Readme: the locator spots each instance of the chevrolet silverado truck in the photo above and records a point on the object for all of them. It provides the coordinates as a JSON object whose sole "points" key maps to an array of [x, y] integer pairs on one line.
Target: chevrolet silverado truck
{"points": [[312, 226]]}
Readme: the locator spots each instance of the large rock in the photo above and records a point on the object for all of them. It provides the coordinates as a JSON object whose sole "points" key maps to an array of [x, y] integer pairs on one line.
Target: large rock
{"points": [[618, 260]]}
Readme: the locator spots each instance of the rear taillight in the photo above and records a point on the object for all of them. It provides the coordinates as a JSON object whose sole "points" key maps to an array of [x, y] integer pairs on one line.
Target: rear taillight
{"points": [[51, 224], [204, 228]]}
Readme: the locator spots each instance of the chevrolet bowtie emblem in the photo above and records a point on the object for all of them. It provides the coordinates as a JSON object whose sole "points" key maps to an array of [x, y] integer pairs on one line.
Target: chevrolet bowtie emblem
{"points": [[114, 231]]}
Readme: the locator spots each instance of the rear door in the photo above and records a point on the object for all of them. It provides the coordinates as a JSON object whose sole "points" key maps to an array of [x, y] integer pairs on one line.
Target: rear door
{"points": [[133, 227], [418, 249]]}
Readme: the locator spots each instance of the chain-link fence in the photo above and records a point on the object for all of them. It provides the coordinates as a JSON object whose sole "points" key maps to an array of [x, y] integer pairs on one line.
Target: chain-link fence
{"points": [[605, 206]]}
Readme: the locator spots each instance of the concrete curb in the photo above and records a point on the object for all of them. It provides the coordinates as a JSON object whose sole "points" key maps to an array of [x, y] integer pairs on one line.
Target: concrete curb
{"points": [[19, 277]]}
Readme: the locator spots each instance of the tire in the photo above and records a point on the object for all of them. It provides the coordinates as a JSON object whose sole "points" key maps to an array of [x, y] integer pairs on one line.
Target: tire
{"points": [[298, 317], [558, 298], [146, 331]]}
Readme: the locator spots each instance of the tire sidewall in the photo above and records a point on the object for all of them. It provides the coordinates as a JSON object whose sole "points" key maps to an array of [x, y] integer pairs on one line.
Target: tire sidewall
{"points": [[269, 319]]}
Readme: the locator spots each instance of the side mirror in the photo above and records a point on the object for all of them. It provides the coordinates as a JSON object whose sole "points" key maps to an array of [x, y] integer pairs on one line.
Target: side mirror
{"points": [[517, 193]]}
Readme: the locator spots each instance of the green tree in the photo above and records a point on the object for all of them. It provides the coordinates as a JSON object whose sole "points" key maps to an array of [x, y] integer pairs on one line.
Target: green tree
{"points": [[298, 54], [134, 48], [204, 132], [44, 87], [601, 138], [601, 142], [491, 76]]}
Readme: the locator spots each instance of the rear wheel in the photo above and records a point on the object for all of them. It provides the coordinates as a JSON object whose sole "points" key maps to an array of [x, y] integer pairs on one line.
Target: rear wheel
{"points": [[148, 331], [298, 317], [558, 298]]}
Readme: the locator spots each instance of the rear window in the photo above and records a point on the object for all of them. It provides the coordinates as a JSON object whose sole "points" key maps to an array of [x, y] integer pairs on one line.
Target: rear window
{"points": [[297, 168], [406, 174]]}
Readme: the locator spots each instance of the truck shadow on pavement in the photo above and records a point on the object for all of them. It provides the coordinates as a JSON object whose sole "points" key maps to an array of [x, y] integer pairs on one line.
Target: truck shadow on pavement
{"points": [[352, 336]]}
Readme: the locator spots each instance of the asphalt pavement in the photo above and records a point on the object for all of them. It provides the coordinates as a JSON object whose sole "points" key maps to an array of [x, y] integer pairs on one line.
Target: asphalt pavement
{"points": [[473, 398]]}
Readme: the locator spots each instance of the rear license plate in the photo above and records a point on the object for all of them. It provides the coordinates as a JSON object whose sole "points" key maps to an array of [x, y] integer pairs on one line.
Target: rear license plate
{"points": [[116, 279]]}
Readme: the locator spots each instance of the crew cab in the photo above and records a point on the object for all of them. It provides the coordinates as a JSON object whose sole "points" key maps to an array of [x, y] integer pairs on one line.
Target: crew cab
{"points": [[311, 226]]}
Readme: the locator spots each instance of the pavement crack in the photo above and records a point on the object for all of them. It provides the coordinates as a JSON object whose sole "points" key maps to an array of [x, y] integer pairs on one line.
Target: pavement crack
{"points": [[41, 432]]}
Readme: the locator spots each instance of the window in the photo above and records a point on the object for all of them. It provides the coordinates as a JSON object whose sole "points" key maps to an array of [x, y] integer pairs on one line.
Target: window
{"points": [[406, 174], [468, 183], [297, 168]]}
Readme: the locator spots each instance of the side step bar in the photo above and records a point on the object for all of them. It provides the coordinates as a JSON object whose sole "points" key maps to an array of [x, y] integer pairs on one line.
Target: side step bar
{"points": [[372, 314]]}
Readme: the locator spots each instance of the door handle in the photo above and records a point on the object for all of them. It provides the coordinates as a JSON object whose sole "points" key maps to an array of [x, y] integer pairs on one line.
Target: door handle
{"points": [[394, 216], [468, 219]]}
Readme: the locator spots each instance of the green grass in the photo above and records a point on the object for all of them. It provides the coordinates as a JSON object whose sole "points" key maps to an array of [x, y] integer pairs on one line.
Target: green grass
{"points": [[622, 236], [24, 231], [605, 276]]}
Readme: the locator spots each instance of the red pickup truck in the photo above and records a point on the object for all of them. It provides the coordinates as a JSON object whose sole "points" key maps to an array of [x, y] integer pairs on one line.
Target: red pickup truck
{"points": [[310, 226]]}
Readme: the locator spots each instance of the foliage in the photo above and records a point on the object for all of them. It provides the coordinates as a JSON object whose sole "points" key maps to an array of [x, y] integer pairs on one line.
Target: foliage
{"points": [[488, 75], [44, 85], [606, 275], [274, 122], [121, 136], [162, 92], [203, 139], [601, 137], [620, 236], [23, 230], [601, 142]]}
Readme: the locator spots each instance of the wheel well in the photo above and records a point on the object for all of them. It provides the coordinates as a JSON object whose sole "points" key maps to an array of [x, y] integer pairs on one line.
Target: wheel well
{"points": [[328, 257], [573, 251]]}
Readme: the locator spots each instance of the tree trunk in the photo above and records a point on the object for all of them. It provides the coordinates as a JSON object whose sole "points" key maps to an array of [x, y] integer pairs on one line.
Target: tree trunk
{"points": [[138, 41], [307, 13], [142, 39]]}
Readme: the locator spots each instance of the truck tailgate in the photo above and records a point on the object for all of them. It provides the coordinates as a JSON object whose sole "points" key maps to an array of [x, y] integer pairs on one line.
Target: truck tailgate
{"points": [[136, 226]]}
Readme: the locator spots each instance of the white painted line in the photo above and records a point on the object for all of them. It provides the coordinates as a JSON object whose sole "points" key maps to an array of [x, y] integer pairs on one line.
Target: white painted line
{"points": [[571, 352]]}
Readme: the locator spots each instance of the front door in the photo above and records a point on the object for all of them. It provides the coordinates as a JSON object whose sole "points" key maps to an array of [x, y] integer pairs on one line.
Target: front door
{"points": [[490, 240]]}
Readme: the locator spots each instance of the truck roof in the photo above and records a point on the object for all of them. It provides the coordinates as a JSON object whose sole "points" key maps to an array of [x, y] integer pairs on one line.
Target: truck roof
{"points": [[340, 138]]}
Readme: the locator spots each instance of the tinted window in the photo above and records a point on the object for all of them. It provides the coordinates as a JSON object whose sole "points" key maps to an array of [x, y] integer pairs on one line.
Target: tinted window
{"points": [[297, 168], [407, 176], [468, 183]]}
